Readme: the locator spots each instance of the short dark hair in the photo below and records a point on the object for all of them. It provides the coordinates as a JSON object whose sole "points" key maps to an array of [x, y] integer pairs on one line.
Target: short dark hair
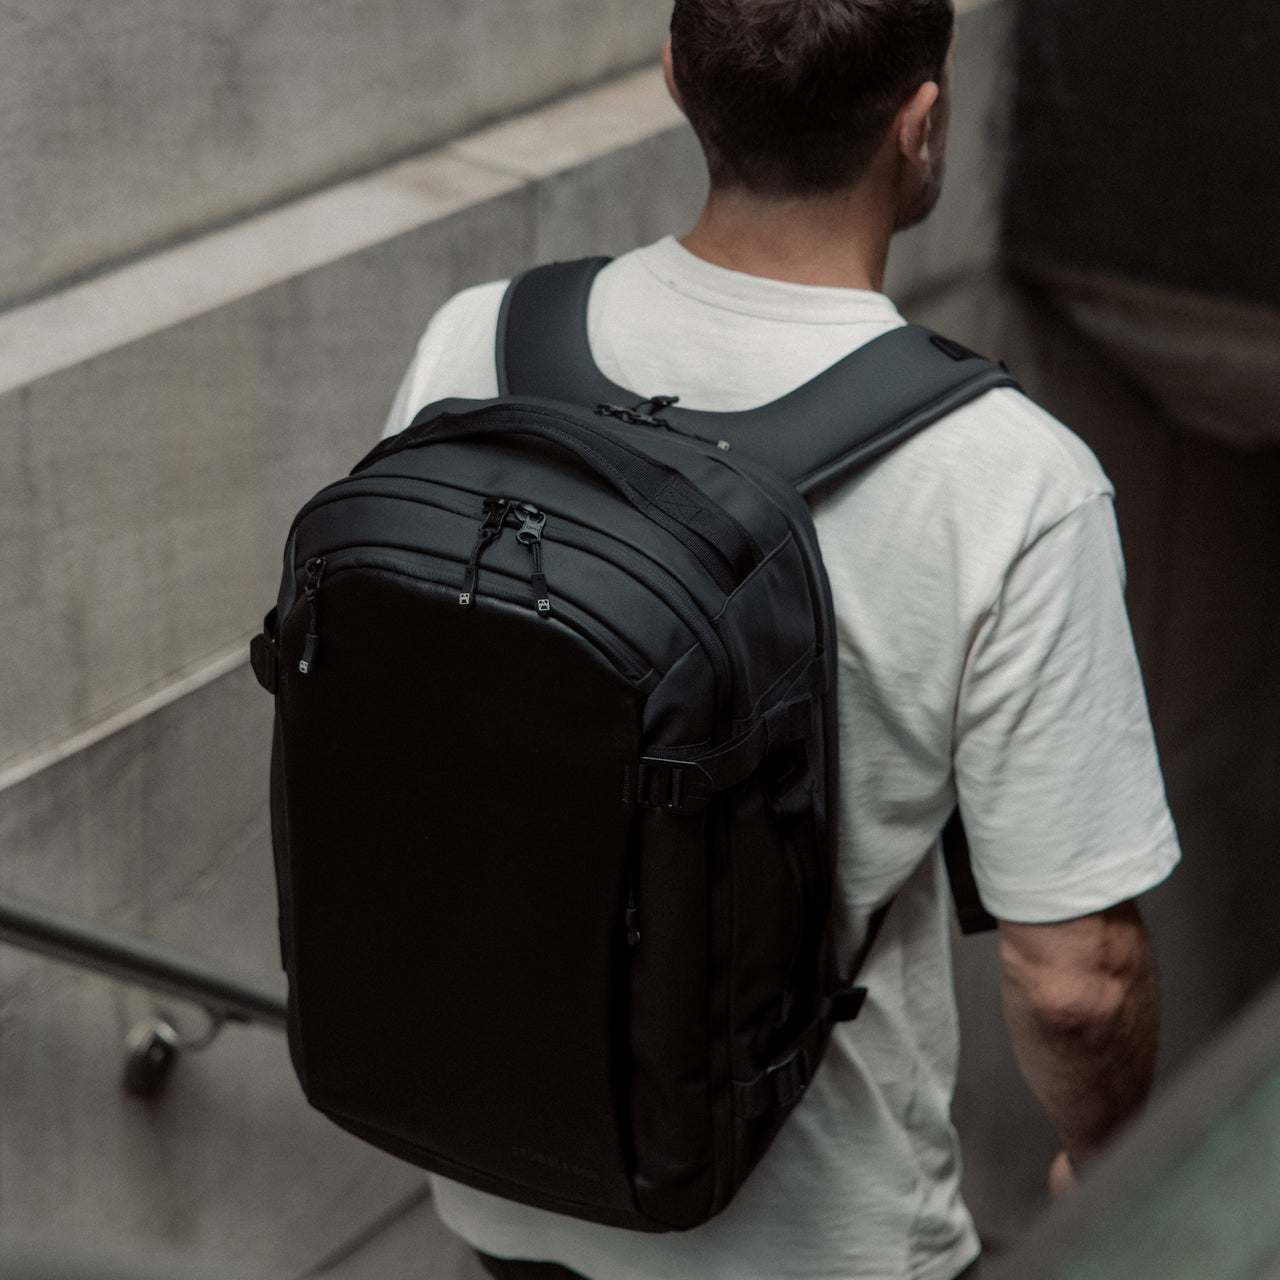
{"points": [[793, 97]]}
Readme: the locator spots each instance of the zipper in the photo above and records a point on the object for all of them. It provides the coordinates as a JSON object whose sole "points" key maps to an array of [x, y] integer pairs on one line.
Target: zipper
{"points": [[583, 538], [495, 515], [663, 584], [434, 571], [636, 417], [549, 414], [532, 522], [311, 594], [530, 535]]}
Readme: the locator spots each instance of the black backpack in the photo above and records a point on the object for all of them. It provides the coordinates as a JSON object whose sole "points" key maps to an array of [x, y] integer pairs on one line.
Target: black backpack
{"points": [[555, 770]]}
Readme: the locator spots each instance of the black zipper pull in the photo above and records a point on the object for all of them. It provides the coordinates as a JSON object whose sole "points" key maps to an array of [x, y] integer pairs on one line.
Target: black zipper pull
{"points": [[530, 535], [636, 416], [311, 593], [495, 513]]}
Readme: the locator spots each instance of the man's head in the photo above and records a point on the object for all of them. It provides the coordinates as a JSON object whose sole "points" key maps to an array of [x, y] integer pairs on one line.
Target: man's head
{"points": [[795, 97]]}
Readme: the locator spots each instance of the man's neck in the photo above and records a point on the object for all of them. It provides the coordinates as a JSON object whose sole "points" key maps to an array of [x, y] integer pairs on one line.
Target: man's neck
{"points": [[838, 240]]}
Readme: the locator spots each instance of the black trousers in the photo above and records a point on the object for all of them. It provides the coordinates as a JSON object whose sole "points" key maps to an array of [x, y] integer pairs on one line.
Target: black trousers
{"points": [[502, 1269]]}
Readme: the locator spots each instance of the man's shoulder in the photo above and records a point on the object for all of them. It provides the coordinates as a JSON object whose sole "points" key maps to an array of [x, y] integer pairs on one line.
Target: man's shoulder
{"points": [[1009, 419], [455, 355], [999, 453], [971, 493], [473, 310], [1006, 441]]}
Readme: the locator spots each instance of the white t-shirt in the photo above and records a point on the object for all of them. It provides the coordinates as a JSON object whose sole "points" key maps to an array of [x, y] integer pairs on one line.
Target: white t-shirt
{"points": [[984, 653]]}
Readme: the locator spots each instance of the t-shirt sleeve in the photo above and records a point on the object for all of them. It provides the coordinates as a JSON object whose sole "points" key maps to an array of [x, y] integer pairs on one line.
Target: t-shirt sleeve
{"points": [[1055, 761], [454, 357]]}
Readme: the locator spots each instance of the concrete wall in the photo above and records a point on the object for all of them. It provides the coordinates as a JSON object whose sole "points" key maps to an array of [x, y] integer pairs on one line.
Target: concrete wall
{"points": [[128, 125], [146, 484], [1144, 174], [1145, 142], [158, 427]]}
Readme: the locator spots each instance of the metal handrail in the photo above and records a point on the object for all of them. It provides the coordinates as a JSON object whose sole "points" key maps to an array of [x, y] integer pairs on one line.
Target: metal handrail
{"points": [[43, 1260], [228, 995], [1193, 1185]]}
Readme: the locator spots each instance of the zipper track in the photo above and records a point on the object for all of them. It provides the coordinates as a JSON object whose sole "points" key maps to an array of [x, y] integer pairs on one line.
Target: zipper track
{"points": [[662, 584], [646, 570], [621, 656], [581, 422]]}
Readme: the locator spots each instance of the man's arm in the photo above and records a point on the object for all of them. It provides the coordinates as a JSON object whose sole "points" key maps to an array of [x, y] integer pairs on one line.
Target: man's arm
{"points": [[1080, 1002]]}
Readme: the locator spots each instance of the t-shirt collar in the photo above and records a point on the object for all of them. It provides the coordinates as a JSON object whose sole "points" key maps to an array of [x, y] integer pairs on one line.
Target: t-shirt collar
{"points": [[696, 278]]}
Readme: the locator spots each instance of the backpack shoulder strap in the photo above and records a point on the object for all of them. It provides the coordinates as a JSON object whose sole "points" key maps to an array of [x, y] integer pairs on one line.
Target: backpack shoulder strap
{"points": [[873, 399], [542, 347]]}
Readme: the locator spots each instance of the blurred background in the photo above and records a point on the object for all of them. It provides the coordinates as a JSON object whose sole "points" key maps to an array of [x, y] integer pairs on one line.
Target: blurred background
{"points": [[226, 224]]}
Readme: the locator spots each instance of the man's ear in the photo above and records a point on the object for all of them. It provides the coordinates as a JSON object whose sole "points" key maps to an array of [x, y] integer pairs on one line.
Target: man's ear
{"points": [[913, 127], [669, 74]]}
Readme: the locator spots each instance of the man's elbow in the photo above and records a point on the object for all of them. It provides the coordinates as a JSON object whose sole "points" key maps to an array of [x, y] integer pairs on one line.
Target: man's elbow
{"points": [[1088, 1010], [1083, 982], [1081, 1007]]}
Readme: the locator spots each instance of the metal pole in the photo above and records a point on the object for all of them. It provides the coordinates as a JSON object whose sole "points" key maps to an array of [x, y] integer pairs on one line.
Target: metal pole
{"points": [[44, 1260], [225, 993]]}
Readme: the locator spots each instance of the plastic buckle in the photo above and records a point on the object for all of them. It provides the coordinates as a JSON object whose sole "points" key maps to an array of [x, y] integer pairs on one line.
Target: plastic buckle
{"points": [[678, 785], [788, 1079], [844, 1006]]}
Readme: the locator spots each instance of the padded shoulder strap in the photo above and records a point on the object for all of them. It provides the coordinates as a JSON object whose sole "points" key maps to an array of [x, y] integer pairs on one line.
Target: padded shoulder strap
{"points": [[542, 335], [873, 399], [856, 410]]}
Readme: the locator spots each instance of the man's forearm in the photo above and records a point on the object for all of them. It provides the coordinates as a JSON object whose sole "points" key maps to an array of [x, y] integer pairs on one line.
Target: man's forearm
{"points": [[1080, 1001]]}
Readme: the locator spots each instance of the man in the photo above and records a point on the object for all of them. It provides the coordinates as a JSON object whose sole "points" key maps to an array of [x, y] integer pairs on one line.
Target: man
{"points": [[984, 655]]}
